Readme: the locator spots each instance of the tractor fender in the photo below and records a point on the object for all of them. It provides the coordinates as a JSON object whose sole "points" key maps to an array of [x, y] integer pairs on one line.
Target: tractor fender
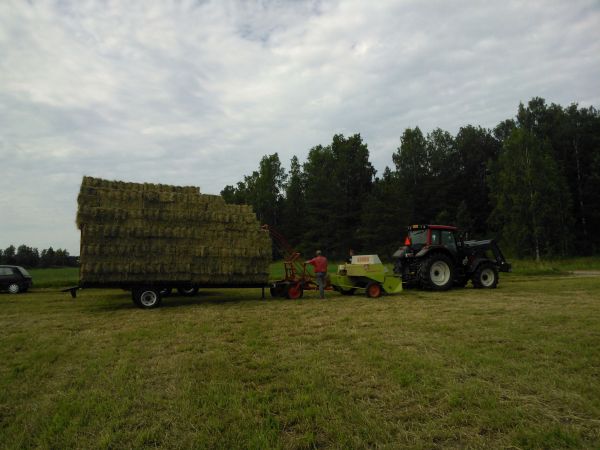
{"points": [[434, 249], [476, 262]]}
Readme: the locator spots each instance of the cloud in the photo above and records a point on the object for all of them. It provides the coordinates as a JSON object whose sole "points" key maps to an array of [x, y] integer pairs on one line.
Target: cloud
{"points": [[195, 92]]}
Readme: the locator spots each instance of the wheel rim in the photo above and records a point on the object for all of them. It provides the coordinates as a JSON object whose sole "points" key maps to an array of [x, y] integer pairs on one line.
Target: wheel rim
{"points": [[294, 292], [374, 290], [148, 298], [13, 288], [439, 273], [487, 277]]}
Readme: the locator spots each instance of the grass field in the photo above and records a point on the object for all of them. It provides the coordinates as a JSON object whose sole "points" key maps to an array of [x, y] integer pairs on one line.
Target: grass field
{"points": [[59, 277], [515, 367], [69, 276]]}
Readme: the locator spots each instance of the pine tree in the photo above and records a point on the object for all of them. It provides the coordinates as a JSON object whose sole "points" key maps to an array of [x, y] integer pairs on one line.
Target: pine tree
{"points": [[530, 196]]}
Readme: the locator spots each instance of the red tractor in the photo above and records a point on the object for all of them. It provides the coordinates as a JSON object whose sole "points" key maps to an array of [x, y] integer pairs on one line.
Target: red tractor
{"points": [[435, 257]]}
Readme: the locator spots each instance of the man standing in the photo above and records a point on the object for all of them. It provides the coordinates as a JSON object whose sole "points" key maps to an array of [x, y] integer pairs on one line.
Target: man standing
{"points": [[319, 262]]}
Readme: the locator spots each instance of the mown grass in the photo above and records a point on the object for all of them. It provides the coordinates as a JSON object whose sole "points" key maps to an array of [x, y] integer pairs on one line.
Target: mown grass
{"points": [[515, 367]]}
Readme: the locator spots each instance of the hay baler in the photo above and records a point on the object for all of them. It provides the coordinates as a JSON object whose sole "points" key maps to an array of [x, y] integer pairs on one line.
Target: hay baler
{"points": [[365, 273]]}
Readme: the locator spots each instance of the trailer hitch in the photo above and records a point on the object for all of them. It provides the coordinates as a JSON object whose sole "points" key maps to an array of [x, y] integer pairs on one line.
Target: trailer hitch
{"points": [[73, 290]]}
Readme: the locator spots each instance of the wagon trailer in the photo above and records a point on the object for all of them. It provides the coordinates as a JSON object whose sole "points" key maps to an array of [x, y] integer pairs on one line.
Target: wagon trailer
{"points": [[151, 239]]}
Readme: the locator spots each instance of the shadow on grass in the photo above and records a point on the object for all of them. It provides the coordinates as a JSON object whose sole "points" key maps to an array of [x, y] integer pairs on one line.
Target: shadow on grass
{"points": [[123, 301]]}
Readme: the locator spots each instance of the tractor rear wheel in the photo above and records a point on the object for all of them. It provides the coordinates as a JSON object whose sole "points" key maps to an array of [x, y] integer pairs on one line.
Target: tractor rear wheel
{"points": [[437, 272], [373, 290], [486, 276]]}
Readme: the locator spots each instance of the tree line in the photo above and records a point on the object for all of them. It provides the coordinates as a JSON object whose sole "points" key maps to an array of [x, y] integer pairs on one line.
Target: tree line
{"points": [[533, 182], [32, 258]]}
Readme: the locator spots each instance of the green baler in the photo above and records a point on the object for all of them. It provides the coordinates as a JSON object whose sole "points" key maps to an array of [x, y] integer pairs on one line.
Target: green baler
{"points": [[365, 273]]}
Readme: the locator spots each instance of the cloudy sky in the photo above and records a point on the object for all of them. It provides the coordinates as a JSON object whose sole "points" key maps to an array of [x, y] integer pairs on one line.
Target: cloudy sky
{"points": [[195, 92]]}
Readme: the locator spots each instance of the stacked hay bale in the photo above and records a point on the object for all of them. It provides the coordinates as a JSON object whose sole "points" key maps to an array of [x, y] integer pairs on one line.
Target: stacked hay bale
{"points": [[139, 233]]}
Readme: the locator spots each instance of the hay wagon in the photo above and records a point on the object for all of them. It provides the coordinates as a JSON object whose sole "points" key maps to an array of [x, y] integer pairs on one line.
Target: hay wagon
{"points": [[151, 239]]}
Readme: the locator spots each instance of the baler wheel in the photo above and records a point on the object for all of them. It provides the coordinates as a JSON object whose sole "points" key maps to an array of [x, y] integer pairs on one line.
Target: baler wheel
{"points": [[373, 290]]}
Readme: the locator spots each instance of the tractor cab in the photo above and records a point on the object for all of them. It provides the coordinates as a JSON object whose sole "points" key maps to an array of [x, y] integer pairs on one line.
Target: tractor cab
{"points": [[420, 237]]}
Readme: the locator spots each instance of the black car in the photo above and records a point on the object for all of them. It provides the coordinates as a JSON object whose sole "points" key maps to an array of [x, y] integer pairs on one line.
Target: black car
{"points": [[14, 279]]}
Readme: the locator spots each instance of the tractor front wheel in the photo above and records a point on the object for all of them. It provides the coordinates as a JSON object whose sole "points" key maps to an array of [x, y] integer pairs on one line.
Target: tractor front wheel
{"points": [[373, 290], [437, 272], [486, 276]]}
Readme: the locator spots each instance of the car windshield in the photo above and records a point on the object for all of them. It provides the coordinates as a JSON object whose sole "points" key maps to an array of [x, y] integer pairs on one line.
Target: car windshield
{"points": [[418, 237], [23, 272]]}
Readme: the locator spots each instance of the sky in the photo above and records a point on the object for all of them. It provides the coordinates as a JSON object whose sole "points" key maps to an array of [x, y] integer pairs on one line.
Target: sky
{"points": [[196, 92]]}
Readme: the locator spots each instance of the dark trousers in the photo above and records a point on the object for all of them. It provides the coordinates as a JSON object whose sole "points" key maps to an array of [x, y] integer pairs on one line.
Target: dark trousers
{"points": [[320, 278]]}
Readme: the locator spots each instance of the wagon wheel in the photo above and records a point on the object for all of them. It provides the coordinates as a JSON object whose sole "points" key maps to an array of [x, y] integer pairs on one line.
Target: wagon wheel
{"points": [[187, 291]]}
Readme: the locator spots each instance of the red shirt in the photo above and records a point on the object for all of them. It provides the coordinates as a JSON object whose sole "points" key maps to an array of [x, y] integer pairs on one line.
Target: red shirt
{"points": [[320, 263]]}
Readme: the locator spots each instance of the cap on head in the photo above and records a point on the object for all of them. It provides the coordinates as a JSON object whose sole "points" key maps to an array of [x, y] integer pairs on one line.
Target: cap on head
{"points": [[318, 252]]}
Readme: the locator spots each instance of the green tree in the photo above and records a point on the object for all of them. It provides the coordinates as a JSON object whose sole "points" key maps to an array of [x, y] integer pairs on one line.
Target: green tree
{"points": [[412, 167], [263, 189], [443, 165], [384, 218], [9, 254], [574, 136], [429, 169], [47, 257], [464, 218], [269, 190], [503, 130], [294, 207], [353, 179], [320, 225], [27, 256], [235, 194], [338, 179], [477, 149], [61, 257], [530, 197]]}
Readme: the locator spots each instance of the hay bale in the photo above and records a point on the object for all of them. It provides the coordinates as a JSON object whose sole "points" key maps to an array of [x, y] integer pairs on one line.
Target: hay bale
{"points": [[134, 232]]}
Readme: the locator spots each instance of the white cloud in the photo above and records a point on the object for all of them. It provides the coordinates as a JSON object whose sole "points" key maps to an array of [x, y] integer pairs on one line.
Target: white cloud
{"points": [[193, 92]]}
